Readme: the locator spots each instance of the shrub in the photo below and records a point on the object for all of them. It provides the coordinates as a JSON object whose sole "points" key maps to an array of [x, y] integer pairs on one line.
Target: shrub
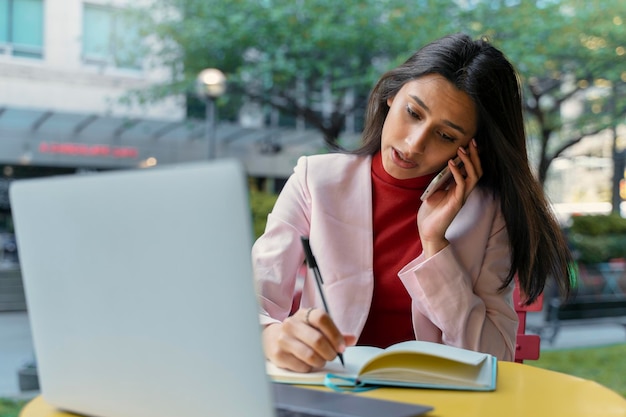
{"points": [[598, 238], [598, 224], [261, 203]]}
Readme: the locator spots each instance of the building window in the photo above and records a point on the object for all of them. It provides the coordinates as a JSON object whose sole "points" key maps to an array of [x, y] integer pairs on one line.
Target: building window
{"points": [[110, 38], [21, 28]]}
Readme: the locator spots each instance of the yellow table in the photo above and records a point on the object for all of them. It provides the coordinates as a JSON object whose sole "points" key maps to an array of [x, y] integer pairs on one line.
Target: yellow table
{"points": [[523, 390]]}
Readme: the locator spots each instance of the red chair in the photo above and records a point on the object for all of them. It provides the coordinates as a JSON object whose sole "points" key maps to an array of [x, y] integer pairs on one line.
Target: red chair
{"points": [[526, 345]]}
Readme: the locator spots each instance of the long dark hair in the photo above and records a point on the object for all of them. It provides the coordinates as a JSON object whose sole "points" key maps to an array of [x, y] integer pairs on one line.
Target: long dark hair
{"points": [[538, 246]]}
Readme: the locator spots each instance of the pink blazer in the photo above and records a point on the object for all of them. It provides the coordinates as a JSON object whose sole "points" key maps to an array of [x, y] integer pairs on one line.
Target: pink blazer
{"points": [[456, 296]]}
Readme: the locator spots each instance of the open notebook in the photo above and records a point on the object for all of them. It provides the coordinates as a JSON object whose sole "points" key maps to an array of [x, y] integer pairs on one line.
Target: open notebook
{"points": [[415, 364], [141, 300]]}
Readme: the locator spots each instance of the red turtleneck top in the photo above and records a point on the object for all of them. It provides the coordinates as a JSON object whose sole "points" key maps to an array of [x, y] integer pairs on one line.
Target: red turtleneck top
{"points": [[396, 243]]}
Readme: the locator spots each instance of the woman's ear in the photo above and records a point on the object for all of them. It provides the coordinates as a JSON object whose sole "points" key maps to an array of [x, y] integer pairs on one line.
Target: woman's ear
{"points": [[390, 101]]}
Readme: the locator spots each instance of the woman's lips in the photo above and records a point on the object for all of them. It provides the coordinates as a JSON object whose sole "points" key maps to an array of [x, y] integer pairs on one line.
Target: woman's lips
{"points": [[399, 160]]}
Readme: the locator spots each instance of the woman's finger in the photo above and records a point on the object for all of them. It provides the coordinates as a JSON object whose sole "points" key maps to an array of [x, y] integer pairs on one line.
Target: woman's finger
{"points": [[472, 168], [321, 321], [458, 188], [475, 158], [312, 327], [285, 358]]}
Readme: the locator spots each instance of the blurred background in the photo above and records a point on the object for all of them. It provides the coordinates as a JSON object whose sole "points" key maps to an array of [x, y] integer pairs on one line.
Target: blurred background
{"points": [[95, 85]]}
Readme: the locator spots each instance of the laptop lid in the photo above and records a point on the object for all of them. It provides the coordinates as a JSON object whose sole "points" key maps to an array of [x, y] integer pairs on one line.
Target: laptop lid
{"points": [[139, 291]]}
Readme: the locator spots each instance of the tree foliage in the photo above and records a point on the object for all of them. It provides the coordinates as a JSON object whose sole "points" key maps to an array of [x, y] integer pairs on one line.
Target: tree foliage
{"points": [[318, 59], [313, 59], [564, 50]]}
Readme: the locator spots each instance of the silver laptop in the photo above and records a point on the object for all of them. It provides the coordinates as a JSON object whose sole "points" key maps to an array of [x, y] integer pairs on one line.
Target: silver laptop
{"points": [[140, 295]]}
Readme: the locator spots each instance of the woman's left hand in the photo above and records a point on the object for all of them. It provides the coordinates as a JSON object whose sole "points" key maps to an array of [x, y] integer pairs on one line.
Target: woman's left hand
{"points": [[440, 208]]}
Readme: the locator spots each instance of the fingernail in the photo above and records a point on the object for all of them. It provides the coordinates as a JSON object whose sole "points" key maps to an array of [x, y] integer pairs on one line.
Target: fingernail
{"points": [[462, 149], [474, 143]]}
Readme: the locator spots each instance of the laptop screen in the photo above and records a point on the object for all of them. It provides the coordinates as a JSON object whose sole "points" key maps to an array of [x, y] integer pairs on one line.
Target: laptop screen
{"points": [[139, 291]]}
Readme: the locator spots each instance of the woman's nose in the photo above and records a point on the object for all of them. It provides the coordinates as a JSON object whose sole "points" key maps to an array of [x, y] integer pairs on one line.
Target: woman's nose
{"points": [[416, 140]]}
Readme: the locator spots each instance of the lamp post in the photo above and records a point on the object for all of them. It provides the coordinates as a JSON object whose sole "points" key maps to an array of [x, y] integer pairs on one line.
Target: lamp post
{"points": [[210, 84]]}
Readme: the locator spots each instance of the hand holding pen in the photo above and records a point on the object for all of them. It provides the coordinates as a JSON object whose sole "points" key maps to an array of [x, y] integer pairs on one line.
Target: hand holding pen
{"points": [[312, 263], [308, 339]]}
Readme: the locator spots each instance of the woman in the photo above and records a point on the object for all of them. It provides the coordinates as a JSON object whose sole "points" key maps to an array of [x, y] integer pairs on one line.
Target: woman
{"points": [[396, 268]]}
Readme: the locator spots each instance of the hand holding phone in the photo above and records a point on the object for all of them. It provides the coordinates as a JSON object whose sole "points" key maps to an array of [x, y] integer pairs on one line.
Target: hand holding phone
{"points": [[441, 179]]}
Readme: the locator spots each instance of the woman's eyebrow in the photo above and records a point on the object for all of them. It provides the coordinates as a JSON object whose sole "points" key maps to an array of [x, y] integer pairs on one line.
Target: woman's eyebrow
{"points": [[420, 102], [427, 110]]}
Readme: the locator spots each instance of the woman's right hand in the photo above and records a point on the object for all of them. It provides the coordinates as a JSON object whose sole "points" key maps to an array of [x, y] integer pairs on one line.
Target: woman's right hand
{"points": [[304, 341], [439, 210]]}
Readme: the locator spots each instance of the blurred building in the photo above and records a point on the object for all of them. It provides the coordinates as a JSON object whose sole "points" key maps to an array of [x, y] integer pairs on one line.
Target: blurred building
{"points": [[65, 65], [61, 81]]}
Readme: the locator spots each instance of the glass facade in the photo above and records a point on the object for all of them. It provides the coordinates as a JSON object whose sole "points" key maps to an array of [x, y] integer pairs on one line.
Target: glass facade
{"points": [[109, 38], [21, 28]]}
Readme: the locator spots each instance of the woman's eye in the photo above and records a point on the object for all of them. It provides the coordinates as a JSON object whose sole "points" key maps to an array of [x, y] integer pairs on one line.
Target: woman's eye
{"points": [[411, 113], [447, 137]]}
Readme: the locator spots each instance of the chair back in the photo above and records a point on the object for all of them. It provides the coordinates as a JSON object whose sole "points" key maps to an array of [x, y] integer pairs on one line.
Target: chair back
{"points": [[526, 345]]}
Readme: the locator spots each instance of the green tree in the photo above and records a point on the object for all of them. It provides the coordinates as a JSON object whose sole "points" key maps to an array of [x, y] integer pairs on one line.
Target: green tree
{"points": [[315, 60], [564, 50]]}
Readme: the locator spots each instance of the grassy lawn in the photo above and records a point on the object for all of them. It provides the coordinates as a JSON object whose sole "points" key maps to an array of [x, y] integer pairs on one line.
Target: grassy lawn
{"points": [[10, 408], [605, 365]]}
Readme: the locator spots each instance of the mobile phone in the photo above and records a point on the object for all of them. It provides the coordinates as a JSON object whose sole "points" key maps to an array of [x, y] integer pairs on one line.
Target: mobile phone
{"points": [[441, 179]]}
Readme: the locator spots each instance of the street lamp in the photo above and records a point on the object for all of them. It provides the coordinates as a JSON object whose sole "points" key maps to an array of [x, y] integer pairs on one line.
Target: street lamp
{"points": [[210, 84]]}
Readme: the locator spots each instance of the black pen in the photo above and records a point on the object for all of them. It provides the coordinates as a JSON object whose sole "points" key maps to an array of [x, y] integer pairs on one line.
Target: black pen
{"points": [[312, 263]]}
